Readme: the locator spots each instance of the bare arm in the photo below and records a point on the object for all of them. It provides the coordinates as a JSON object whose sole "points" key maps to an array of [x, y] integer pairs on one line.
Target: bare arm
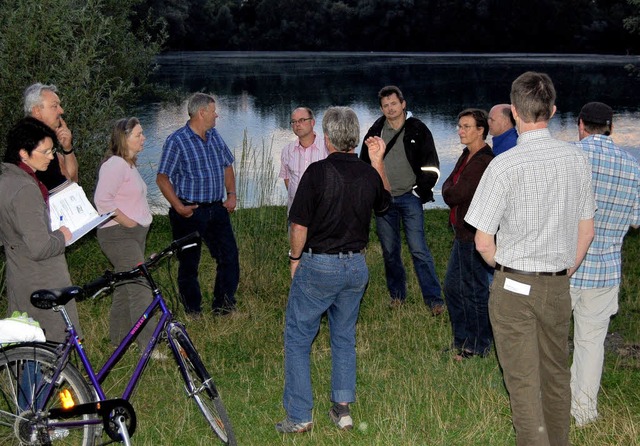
{"points": [[586, 232], [230, 185], [166, 188], [68, 162], [486, 246], [297, 239], [124, 220], [376, 147]]}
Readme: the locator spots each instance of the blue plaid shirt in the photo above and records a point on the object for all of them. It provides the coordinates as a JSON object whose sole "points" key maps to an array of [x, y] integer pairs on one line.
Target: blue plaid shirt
{"points": [[616, 182], [196, 167]]}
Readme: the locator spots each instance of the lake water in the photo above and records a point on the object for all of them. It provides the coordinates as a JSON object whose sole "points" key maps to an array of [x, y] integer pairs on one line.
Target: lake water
{"points": [[256, 91]]}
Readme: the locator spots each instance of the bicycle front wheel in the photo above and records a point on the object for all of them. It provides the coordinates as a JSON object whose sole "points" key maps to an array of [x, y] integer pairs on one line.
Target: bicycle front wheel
{"points": [[25, 380], [200, 385]]}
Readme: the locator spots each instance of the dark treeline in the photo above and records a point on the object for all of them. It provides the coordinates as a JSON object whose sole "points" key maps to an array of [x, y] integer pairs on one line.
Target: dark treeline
{"points": [[577, 26]]}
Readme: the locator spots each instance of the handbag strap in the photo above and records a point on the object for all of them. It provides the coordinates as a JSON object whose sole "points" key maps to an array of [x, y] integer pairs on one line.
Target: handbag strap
{"points": [[394, 139]]}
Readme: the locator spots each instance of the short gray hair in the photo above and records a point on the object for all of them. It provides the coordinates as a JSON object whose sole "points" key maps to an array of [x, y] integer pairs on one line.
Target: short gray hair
{"points": [[198, 101], [32, 96], [341, 127]]}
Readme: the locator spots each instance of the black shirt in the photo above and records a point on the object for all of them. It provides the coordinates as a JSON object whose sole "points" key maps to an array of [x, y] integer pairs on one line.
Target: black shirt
{"points": [[334, 202], [52, 177]]}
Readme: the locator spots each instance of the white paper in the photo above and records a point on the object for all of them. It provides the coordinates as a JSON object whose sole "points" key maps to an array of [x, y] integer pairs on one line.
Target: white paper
{"points": [[69, 207], [516, 287], [81, 231]]}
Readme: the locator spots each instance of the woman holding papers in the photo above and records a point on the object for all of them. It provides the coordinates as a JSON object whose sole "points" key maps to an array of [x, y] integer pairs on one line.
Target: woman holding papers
{"points": [[35, 253], [121, 189]]}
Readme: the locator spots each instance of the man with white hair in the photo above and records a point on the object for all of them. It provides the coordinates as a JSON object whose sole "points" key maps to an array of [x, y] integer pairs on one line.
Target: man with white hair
{"points": [[329, 233], [42, 102]]}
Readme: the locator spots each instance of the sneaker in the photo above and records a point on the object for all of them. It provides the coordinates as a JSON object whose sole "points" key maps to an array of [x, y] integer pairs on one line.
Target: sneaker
{"points": [[339, 414], [287, 426]]}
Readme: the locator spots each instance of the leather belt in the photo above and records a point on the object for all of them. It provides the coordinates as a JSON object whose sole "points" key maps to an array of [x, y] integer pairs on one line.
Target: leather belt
{"points": [[339, 254], [506, 269], [200, 204]]}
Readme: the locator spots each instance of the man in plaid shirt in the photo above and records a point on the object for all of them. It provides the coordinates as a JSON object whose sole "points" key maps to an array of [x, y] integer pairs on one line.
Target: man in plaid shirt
{"points": [[595, 285]]}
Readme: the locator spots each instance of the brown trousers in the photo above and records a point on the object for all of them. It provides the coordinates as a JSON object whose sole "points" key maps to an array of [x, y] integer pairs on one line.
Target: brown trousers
{"points": [[531, 335]]}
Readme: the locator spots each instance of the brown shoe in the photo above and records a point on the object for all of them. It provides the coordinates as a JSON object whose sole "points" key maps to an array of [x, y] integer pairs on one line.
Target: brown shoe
{"points": [[395, 304], [438, 309]]}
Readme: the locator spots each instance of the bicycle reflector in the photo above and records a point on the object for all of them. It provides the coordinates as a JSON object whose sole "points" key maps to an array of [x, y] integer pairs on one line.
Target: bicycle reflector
{"points": [[66, 399]]}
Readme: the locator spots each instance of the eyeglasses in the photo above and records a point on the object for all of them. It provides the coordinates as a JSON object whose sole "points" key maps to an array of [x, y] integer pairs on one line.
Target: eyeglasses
{"points": [[466, 128], [47, 152], [300, 121]]}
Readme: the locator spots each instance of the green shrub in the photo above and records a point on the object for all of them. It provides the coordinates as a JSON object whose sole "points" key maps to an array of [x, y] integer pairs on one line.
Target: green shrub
{"points": [[91, 50]]}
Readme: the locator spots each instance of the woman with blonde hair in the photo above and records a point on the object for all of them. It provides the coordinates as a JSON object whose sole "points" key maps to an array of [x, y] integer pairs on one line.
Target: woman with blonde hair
{"points": [[121, 189]]}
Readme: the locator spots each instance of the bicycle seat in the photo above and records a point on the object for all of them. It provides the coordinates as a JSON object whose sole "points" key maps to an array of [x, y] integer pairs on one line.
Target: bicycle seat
{"points": [[47, 299]]}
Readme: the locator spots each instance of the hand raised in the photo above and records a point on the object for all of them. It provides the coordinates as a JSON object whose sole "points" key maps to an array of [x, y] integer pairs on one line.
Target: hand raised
{"points": [[376, 148], [64, 135]]}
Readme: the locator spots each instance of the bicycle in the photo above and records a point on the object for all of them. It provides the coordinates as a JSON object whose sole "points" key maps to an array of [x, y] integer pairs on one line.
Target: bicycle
{"points": [[44, 398]]}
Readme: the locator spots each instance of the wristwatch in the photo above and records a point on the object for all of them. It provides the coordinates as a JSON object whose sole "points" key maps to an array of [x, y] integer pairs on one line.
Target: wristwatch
{"points": [[294, 258], [67, 152]]}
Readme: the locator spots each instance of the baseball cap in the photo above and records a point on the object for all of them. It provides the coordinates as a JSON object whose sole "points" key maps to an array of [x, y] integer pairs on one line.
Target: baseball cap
{"points": [[596, 113]]}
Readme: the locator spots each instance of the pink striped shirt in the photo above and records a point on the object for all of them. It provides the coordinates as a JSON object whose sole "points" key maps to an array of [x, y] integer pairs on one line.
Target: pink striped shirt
{"points": [[121, 186], [294, 161]]}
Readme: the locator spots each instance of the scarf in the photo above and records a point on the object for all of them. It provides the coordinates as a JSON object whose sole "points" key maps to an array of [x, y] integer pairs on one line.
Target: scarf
{"points": [[32, 174]]}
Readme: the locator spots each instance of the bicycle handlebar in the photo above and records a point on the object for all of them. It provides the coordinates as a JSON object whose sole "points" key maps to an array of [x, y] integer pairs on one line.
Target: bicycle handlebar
{"points": [[110, 278]]}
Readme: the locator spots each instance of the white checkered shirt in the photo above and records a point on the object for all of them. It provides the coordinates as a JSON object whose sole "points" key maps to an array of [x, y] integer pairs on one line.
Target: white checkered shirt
{"points": [[533, 196]]}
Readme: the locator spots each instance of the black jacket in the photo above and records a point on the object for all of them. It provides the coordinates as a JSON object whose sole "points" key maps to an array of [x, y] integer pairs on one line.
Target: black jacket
{"points": [[421, 154], [458, 196]]}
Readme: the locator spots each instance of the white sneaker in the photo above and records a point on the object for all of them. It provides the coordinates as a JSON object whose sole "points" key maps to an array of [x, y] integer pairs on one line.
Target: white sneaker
{"points": [[341, 417]]}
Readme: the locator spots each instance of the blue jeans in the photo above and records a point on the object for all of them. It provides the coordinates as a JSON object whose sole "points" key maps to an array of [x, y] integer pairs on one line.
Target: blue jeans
{"points": [[407, 208], [214, 226], [466, 287], [331, 283]]}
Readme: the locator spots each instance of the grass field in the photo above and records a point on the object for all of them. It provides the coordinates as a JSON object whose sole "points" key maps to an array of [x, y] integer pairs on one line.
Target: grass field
{"points": [[409, 393]]}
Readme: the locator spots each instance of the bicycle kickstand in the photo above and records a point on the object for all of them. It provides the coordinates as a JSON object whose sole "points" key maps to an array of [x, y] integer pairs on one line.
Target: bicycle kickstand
{"points": [[122, 429]]}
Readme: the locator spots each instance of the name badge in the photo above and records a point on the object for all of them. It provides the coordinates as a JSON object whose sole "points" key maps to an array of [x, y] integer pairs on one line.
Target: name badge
{"points": [[517, 287]]}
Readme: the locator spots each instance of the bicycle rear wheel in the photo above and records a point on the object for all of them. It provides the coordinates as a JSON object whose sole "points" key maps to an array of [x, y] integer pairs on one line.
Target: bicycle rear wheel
{"points": [[25, 375], [200, 386]]}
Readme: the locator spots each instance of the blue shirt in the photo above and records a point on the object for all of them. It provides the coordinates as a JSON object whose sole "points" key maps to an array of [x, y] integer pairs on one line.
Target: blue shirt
{"points": [[196, 167], [616, 182], [504, 142]]}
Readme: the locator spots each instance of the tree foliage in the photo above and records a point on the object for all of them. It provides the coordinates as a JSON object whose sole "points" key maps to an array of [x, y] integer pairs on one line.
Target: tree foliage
{"points": [[632, 24], [97, 52], [579, 26]]}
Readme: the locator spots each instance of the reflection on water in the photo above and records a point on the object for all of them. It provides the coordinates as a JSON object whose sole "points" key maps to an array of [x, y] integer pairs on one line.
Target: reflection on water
{"points": [[257, 91]]}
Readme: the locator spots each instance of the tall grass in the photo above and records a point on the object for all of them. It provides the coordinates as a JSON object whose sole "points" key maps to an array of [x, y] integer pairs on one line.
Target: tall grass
{"points": [[408, 391]]}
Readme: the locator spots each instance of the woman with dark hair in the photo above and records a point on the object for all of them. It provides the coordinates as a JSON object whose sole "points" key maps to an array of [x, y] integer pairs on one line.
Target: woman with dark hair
{"points": [[466, 285], [34, 253], [121, 189]]}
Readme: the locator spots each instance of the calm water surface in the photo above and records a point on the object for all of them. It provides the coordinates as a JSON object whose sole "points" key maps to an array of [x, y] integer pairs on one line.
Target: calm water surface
{"points": [[256, 92]]}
